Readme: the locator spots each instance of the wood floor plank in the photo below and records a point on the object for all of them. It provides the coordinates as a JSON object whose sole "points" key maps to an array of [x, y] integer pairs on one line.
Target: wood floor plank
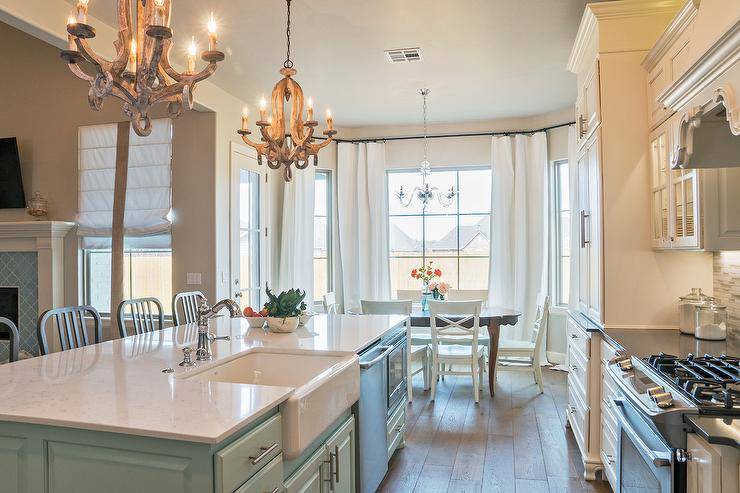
{"points": [[555, 447], [434, 479], [498, 469], [528, 460], [531, 486], [460, 486], [564, 485]]}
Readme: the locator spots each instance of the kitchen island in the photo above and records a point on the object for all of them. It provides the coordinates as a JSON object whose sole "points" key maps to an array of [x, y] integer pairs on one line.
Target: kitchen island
{"points": [[107, 418]]}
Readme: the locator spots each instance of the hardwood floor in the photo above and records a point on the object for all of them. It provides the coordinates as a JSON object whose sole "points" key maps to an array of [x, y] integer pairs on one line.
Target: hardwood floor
{"points": [[515, 442]]}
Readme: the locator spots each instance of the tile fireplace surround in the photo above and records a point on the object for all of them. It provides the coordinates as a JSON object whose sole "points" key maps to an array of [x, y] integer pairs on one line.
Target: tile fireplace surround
{"points": [[32, 258]]}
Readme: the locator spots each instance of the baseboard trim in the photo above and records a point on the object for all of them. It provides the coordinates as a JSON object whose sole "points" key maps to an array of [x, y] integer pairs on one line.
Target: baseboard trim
{"points": [[556, 358]]}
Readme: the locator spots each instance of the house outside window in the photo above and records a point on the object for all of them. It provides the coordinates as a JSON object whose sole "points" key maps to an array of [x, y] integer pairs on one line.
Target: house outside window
{"points": [[456, 238]]}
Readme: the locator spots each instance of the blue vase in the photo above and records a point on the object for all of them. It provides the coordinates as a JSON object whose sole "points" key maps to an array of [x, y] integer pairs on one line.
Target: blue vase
{"points": [[425, 301]]}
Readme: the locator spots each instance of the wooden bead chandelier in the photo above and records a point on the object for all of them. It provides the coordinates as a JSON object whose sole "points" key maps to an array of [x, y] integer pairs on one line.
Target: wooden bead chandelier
{"points": [[140, 74], [277, 147]]}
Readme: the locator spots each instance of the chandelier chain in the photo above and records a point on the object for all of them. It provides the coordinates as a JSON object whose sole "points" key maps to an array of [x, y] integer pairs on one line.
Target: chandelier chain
{"points": [[288, 62], [425, 93]]}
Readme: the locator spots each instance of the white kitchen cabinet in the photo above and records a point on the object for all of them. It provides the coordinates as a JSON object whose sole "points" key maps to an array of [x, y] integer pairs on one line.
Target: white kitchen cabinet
{"points": [[588, 105], [703, 469], [589, 213], [676, 194]]}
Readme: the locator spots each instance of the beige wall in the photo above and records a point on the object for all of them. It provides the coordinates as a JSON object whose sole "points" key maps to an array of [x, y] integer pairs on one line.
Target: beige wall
{"points": [[47, 106]]}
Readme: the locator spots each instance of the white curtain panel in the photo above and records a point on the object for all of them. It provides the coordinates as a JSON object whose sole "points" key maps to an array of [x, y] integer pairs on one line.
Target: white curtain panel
{"points": [[519, 237], [148, 193], [575, 231], [364, 270], [296, 243]]}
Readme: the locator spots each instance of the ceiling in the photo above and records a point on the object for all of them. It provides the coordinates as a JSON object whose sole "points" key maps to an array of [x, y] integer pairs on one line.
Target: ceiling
{"points": [[483, 59]]}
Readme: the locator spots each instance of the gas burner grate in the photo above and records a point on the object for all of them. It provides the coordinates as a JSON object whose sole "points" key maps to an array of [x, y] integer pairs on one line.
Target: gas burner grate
{"points": [[711, 381]]}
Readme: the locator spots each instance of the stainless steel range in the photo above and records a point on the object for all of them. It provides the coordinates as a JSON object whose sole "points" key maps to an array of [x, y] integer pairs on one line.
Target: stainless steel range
{"points": [[659, 393]]}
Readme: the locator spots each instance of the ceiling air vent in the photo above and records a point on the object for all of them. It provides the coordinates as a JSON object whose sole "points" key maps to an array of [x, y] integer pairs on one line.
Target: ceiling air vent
{"points": [[403, 55]]}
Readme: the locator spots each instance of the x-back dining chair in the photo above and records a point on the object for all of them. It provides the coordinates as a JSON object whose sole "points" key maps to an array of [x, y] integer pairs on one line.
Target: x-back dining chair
{"points": [[188, 302], [7, 325], [449, 322], [525, 355], [145, 314], [415, 352], [330, 302], [71, 325]]}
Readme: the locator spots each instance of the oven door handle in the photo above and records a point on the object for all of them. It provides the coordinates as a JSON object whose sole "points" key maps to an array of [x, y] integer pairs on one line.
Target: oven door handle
{"points": [[364, 365], [659, 459]]}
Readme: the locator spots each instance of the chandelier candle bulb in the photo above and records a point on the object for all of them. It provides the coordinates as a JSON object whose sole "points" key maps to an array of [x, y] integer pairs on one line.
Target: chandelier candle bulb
{"points": [[82, 11], [309, 110], [329, 120], [192, 51], [263, 109], [131, 67], [245, 119], [158, 16], [212, 36]]}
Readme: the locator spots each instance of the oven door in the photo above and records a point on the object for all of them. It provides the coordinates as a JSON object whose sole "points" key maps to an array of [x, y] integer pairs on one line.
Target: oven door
{"points": [[644, 462], [397, 362]]}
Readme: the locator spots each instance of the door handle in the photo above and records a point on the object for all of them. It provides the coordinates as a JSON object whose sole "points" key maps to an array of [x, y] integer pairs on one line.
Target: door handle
{"points": [[584, 241]]}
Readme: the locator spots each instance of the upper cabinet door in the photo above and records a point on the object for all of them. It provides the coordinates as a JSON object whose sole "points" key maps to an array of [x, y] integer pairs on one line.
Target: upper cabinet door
{"points": [[686, 230], [583, 242], [660, 188], [588, 108], [593, 150]]}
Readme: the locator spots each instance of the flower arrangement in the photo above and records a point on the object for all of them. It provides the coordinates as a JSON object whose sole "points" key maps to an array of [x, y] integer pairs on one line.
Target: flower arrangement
{"points": [[439, 290], [426, 273]]}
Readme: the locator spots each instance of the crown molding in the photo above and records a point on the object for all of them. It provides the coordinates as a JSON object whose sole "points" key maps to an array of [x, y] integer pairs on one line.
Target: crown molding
{"points": [[622, 9], [676, 28], [35, 229], [720, 57]]}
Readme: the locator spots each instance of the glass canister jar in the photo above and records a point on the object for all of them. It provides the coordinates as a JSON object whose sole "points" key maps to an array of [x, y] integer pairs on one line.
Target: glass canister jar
{"points": [[711, 322], [687, 306]]}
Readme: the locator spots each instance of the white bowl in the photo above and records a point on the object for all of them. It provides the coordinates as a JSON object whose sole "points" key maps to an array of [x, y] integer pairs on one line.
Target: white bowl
{"points": [[255, 322], [282, 325], [305, 317]]}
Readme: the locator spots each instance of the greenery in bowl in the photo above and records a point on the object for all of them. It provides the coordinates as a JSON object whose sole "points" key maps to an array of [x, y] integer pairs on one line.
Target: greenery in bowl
{"points": [[287, 304]]}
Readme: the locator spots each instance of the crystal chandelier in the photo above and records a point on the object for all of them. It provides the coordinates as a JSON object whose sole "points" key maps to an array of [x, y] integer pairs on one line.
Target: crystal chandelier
{"points": [[426, 193], [140, 74], [296, 148]]}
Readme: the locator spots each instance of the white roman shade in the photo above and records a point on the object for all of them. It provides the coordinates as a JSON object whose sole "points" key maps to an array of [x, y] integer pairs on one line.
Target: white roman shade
{"points": [[148, 193]]}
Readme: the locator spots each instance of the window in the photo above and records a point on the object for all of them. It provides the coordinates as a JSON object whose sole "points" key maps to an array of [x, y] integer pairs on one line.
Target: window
{"points": [[322, 231], [561, 232], [456, 238], [147, 272]]}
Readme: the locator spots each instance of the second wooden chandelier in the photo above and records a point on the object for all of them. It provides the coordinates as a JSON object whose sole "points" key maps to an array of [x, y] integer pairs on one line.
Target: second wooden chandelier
{"points": [[279, 148]]}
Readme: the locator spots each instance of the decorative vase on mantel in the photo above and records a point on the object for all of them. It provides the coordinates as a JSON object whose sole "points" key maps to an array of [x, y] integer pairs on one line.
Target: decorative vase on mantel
{"points": [[38, 206]]}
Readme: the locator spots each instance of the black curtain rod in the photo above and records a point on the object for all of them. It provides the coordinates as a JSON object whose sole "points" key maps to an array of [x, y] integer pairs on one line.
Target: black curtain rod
{"points": [[447, 136]]}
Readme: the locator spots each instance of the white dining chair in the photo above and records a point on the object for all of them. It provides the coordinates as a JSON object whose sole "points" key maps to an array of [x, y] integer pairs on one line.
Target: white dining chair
{"points": [[525, 355], [330, 302], [455, 344], [416, 353]]}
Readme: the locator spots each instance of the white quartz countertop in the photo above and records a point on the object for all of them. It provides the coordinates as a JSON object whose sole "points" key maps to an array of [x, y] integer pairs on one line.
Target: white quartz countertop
{"points": [[118, 386]]}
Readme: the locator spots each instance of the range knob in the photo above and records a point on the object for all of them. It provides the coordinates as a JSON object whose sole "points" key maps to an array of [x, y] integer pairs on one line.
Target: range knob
{"points": [[659, 389], [663, 399], [625, 364]]}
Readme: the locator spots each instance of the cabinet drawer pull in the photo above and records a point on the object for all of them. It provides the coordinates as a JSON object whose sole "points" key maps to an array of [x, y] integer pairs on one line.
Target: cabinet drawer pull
{"points": [[265, 452], [573, 367], [574, 336], [610, 459], [336, 460], [333, 468]]}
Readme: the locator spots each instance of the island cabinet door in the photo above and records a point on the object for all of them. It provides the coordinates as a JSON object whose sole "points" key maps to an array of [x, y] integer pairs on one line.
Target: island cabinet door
{"points": [[341, 449], [703, 467], [309, 478]]}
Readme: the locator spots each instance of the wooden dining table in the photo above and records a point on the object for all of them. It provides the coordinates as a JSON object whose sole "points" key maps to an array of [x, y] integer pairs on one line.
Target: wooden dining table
{"points": [[492, 317]]}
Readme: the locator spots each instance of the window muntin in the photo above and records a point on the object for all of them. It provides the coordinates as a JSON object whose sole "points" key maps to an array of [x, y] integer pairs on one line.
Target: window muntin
{"points": [[456, 238]]}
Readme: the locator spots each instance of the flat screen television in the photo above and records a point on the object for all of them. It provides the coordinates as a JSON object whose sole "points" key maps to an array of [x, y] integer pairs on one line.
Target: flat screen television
{"points": [[11, 183]]}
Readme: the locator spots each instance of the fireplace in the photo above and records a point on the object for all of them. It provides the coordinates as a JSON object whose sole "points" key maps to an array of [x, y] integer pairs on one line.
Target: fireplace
{"points": [[10, 306]]}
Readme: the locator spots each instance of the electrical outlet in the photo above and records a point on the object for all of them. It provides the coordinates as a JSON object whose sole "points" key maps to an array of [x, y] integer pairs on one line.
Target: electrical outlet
{"points": [[193, 278]]}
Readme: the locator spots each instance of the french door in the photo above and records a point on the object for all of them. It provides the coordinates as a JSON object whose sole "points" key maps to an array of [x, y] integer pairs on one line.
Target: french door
{"points": [[248, 233]]}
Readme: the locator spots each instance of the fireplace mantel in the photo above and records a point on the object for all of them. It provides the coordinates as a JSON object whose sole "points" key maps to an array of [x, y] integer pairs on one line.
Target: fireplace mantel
{"points": [[46, 238]]}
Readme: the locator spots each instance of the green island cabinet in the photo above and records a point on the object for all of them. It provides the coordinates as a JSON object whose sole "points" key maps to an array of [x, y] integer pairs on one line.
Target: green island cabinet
{"points": [[48, 459]]}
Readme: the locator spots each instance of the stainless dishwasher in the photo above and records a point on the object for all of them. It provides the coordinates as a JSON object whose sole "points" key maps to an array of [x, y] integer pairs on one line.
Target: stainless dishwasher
{"points": [[380, 389]]}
